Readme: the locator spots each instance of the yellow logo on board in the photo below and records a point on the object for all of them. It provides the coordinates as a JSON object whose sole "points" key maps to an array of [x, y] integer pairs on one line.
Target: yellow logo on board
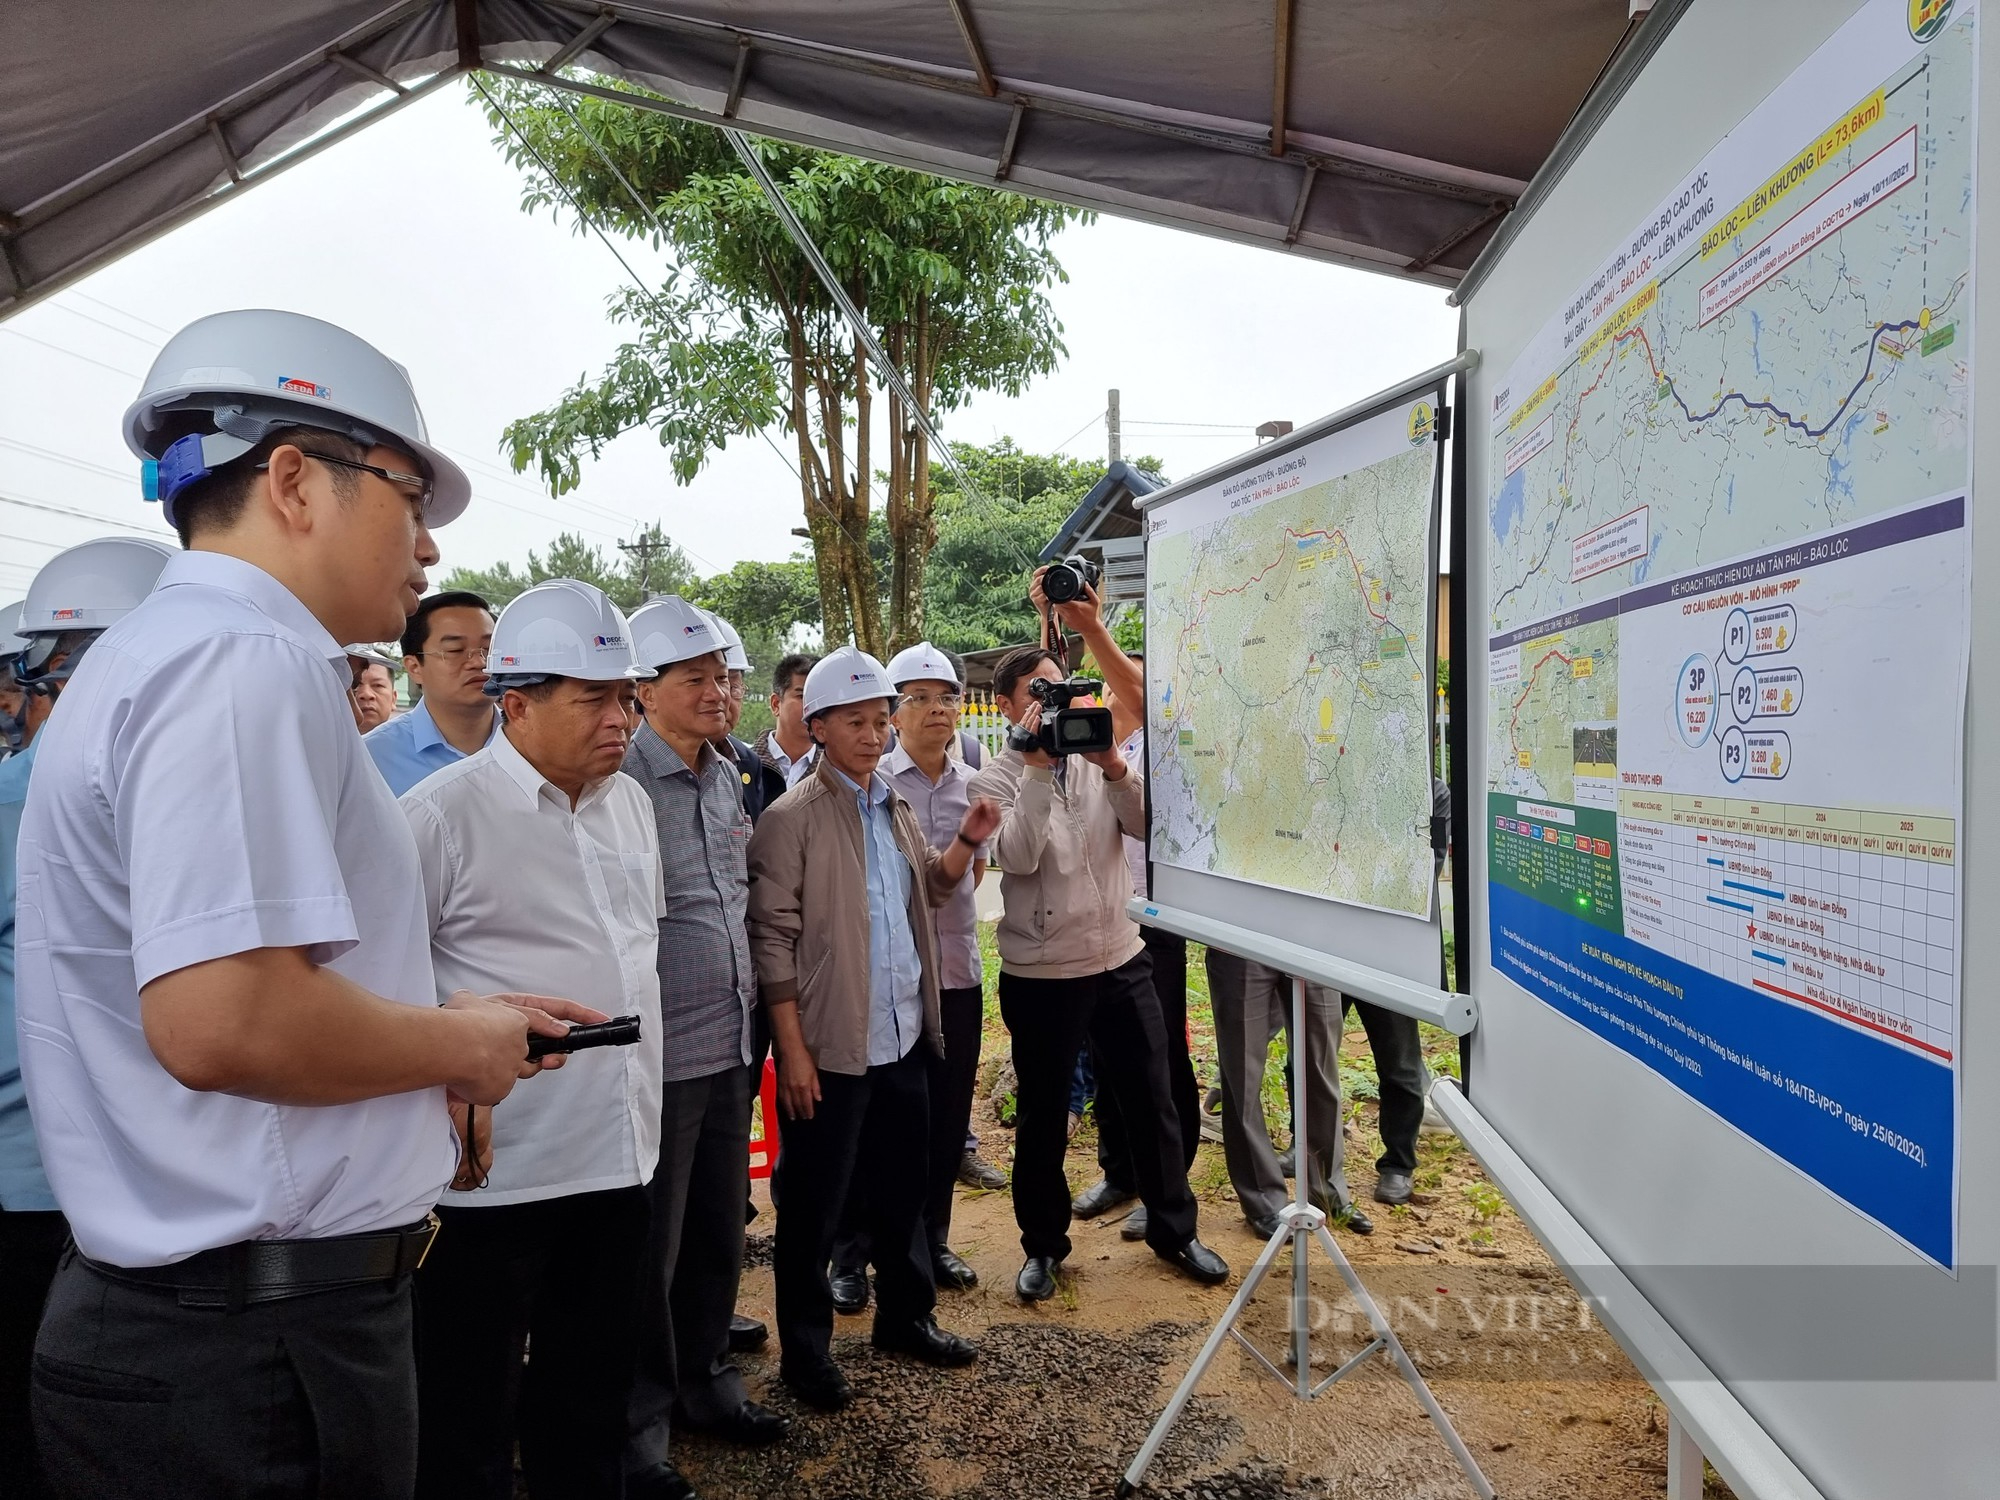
{"points": [[1927, 18], [1423, 423]]}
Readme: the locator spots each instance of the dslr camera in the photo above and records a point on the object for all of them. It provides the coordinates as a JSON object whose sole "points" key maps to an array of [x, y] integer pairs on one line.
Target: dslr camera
{"points": [[1070, 579], [1065, 730]]}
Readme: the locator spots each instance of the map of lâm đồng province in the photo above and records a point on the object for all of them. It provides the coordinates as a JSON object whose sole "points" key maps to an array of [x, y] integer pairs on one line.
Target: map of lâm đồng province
{"points": [[1289, 669]]}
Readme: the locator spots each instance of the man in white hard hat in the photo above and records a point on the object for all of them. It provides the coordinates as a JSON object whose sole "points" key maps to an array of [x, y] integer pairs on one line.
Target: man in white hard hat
{"points": [[373, 694], [444, 656], [12, 699], [74, 598], [938, 791], [842, 886], [541, 867], [229, 1025], [708, 999]]}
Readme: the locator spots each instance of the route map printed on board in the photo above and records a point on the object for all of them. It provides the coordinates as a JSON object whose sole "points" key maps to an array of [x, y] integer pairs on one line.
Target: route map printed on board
{"points": [[1728, 654], [1289, 668]]}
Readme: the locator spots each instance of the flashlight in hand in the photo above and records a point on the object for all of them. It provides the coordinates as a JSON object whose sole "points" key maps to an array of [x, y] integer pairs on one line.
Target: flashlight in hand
{"points": [[621, 1031]]}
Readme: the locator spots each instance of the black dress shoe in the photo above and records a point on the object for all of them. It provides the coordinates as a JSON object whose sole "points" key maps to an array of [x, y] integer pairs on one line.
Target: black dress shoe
{"points": [[1100, 1198], [1197, 1262], [749, 1426], [949, 1269], [1037, 1281], [661, 1482], [850, 1288], [1265, 1227], [1355, 1219], [819, 1386], [980, 1175], [746, 1334], [925, 1341], [1134, 1227]]}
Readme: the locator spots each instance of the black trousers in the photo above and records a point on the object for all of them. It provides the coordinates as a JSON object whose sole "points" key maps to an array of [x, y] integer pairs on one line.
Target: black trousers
{"points": [[869, 1136], [1168, 951], [953, 1079], [1049, 1020], [1399, 1068], [563, 1272], [30, 1245], [693, 1263], [136, 1395]]}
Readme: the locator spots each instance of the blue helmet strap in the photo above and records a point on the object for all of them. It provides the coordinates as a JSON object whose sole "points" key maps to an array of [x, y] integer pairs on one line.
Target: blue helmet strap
{"points": [[239, 428]]}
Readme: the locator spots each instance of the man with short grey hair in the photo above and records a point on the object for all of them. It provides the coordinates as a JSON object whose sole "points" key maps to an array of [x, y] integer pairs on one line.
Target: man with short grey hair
{"points": [[708, 995]]}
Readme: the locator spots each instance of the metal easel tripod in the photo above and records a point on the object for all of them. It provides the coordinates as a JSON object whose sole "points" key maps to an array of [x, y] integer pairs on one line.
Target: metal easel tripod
{"points": [[1301, 1224]]}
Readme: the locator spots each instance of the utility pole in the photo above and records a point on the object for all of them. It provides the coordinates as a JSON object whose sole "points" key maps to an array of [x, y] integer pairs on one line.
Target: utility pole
{"points": [[644, 549], [1111, 424]]}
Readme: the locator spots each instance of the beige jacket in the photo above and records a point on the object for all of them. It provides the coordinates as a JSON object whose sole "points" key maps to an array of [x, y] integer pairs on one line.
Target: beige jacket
{"points": [[809, 915], [1064, 881]]}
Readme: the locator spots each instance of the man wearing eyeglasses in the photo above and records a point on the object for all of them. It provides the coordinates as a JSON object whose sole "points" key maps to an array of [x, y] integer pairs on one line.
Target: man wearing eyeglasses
{"points": [[227, 1013], [444, 653], [938, 790]]}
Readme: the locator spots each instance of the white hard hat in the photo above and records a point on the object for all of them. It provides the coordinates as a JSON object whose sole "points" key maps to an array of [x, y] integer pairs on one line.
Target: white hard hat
{"points": [[92, 585], [848, 675], [375, 656], [735, 658], [669, 630], [922, 662], [258, 370], [11, 642], [561, 628]]}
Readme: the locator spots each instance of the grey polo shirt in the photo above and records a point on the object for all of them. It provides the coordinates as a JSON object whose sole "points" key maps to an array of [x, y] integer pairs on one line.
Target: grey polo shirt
{"points": [[940, 807], [707, 985]]}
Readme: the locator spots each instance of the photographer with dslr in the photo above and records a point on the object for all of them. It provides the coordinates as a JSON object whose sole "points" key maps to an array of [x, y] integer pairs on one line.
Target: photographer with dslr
{"points": [[1072, 965]]}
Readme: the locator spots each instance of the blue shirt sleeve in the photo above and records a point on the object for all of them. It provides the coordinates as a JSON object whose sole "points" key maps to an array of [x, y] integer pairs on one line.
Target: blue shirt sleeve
{"points": [[24, 1188]]}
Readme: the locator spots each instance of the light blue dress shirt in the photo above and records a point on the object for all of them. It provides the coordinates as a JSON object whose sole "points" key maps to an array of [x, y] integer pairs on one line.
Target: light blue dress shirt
{"points": [[23, 1186], [895, 973], [409, 747]]}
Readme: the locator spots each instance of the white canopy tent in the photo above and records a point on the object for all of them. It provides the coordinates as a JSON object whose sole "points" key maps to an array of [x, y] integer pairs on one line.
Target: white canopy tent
{"points": [[1392, 134]]}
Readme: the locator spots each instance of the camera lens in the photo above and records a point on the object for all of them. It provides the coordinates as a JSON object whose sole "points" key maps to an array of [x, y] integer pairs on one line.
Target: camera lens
{"points": [[1062, 583]]}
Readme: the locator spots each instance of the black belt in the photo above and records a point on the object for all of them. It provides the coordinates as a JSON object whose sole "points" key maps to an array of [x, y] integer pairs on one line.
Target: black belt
{"points": [[234, 1276]]}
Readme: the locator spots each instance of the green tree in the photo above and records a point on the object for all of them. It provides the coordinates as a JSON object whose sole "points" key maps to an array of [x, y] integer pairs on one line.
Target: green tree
{"points": [[744, 338], [627, 579], [978, 584]]}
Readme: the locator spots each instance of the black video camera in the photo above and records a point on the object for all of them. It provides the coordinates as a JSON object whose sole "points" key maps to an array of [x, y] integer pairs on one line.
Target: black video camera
{"points": [[621, 1031], [1070, 579], [1065, 730]]}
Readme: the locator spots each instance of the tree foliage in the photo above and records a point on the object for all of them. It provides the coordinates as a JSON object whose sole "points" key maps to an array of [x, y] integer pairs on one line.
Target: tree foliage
{"points": [[743, 338]]}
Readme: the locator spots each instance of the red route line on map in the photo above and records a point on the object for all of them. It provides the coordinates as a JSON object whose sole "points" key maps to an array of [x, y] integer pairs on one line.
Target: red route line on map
{"points": [[1514, 723], [1335, 535]]}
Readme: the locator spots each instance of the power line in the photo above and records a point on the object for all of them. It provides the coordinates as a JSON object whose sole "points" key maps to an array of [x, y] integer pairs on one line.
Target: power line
{"points": [[122, 312], [73, 354], [638, 284]]}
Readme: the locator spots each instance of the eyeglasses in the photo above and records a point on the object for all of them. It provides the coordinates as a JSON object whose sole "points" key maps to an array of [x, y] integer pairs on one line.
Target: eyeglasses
{"points": [[452, 655], [934, 700], [421, 499]]}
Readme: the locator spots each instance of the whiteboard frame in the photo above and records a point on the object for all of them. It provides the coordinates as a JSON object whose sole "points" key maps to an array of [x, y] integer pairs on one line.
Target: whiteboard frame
{"points": [[1646, 1175]]}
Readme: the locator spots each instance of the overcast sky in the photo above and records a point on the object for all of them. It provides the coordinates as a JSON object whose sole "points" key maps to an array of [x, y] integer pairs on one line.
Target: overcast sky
{"points": [[411, 234]]}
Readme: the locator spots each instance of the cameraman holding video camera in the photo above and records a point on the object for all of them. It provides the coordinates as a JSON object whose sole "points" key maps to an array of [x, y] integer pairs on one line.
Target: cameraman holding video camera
{"points": [[1072, 965]]}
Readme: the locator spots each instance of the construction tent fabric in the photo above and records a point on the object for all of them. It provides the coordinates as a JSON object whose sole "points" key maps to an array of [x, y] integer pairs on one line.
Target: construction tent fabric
{"points": [[1393, 134]]}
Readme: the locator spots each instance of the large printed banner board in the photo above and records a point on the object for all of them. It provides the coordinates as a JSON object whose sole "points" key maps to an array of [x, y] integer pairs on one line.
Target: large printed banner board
{"points": [[1729, 532], [1289, 679]]}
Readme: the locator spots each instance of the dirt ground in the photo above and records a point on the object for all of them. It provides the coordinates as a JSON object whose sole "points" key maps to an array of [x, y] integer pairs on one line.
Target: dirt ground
{"points": [[1064, 1393]]}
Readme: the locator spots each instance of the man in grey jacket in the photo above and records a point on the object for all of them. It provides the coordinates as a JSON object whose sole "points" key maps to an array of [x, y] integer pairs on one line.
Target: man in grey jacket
{"points": [[1072, 965], [842, 883]]}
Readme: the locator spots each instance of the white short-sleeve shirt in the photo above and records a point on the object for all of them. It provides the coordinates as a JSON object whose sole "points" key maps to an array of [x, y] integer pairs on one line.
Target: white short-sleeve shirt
{"points": [[525, 894], [200, 791]]}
